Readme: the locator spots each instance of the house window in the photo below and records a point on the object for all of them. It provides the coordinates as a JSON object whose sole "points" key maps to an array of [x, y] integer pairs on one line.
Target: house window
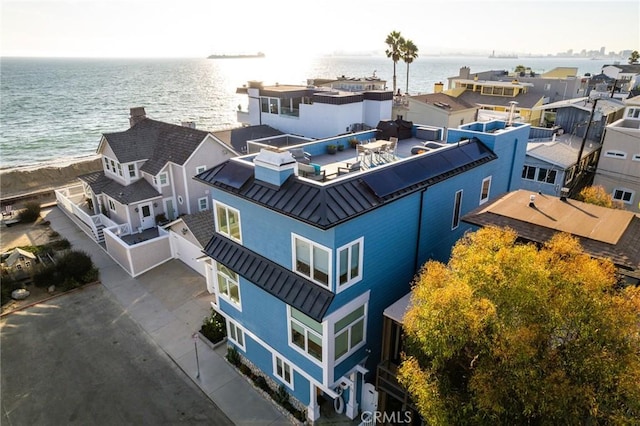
{"points": [[636, 157], [457, 206], [528, 172], [235, 334], [569, 175], [200, 169], [19, 267], [119, 169], [305, 334], [546, 175], [311, 260], [27, 264], [616, 154], [622, 194], [350, 264], [273, 105], [163, 179], [349, 332], [283, 371], [264, 105], [203, 203], [228, 287], [484, 191], [633, 113], [132, 170], [112, 205], [228, 222], [106, 164]]}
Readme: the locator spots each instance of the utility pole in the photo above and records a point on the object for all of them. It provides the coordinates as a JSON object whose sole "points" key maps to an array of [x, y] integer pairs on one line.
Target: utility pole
{"points": [[584, 139]]}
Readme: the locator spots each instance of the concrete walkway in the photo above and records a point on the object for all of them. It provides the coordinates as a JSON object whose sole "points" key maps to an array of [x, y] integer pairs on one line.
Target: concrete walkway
{"points": [[169, 303]]}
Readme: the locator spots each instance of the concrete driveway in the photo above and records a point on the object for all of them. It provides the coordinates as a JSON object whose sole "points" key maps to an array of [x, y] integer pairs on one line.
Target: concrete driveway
{"points": [[81, 359]]}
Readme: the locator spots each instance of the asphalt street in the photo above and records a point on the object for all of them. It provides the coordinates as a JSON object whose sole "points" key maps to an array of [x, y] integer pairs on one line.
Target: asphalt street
{"points": [[81, 359]]}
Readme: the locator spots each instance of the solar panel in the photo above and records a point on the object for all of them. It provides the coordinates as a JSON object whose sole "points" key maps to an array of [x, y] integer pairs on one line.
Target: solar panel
{"points": [[233, 174]]}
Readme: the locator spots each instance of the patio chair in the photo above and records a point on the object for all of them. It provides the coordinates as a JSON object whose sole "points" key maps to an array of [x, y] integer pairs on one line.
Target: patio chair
{"points": [[300, 155], [7, 211], [351, 167], [310, 172]]}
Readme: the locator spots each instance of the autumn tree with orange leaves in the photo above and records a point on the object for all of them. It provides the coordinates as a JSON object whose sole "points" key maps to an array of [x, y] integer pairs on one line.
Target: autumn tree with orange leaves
{"points": [[507, 333]]}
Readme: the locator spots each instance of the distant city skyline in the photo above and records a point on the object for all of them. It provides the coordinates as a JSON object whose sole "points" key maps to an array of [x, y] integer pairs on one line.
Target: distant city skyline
{"points": [[290, 28]]}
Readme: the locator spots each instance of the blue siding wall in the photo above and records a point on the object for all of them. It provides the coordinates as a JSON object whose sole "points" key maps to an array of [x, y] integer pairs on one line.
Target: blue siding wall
{"points": [[537, 186]]}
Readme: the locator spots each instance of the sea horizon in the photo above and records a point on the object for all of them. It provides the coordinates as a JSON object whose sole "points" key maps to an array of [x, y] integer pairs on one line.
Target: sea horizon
{"points": [[56, 109]]}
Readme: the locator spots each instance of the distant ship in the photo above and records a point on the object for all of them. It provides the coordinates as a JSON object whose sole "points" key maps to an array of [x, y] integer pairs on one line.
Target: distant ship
{"points": [[494, 56], [257, 55]]}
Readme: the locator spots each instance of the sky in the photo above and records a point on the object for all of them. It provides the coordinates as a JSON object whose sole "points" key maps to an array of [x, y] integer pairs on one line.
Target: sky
{"points": [[291, 28]]}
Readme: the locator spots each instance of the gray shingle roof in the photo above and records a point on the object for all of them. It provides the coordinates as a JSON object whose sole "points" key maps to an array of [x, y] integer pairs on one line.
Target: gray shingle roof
{"points": [[156, 142], [287, 286], [201, 225], [559, 153], [455, 104], [137, 191], [325, 206], [525, 100]]}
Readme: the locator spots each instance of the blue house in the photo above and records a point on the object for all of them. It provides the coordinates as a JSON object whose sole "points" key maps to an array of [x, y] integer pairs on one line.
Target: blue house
{"points": [[303, 268]]}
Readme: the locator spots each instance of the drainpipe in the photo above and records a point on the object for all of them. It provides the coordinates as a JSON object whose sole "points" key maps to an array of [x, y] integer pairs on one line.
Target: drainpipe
{"points": [[415, 260]]}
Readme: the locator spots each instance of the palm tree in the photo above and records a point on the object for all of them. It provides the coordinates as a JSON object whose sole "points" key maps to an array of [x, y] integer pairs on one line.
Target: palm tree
{"points": [[395, 42], [409, 53]]}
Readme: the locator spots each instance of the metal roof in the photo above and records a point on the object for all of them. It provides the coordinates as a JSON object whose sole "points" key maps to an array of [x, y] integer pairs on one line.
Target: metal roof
{"points": [[559, 153], [291, 288], [329, 204]]}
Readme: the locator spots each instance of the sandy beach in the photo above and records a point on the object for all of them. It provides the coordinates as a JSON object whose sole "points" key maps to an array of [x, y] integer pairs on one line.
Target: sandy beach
{"points": [[26, 180]]}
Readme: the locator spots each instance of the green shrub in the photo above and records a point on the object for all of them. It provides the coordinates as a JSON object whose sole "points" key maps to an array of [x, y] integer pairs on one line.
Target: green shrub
{"points": [[261, 382], [30, 213], [62, 244], [70, 283], [233, 356], [214, 327], [92, 276], [281, 396], [75, 265], [54, 234], [44, 276]]}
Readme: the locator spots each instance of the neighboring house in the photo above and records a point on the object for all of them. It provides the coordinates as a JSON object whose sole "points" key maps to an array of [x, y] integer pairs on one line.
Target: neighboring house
{"points": [[507, 99], [350, 84], [316, 112], [618, 170], [439, 110], [237, 138], [554, 85], [572, 115], [603, 232], [553, 165], [626, 76], [189, 234], [323, 259], [146, 180]]}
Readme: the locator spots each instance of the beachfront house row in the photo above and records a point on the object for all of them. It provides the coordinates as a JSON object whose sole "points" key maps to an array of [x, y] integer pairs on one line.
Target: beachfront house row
{"points": [[316, 112], [302, 269], [618, 170], [146, 181]]}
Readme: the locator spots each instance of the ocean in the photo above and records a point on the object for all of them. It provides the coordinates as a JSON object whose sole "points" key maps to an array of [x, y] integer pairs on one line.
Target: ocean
{"points": [[57, 109]]}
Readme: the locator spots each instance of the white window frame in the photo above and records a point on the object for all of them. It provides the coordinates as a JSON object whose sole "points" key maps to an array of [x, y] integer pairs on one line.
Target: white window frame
{"points": [[233, 331], [484, 198], [112, 205], [218, 205], [351, 280], [347, 329], [312, 247], [307, 331], [285, 365], [457, 210], [135, 170], [202, 207], [614, 153], [218, 275], [546, 176], [623, 191], [528, 167], [200, 169], [164, 176], [636, 157], [119, 169]]}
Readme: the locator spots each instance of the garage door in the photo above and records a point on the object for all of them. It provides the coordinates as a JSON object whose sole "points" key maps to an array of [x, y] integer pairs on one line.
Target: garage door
{"points": [[187, 252]]}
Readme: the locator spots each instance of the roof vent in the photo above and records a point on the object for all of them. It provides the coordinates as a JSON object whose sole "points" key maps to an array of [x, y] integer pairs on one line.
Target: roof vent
{"points": [[532, 201], [564, 193]]}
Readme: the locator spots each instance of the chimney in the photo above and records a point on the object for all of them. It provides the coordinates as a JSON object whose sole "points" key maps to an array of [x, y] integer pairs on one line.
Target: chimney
{"points": [[465, 73], [274, 167], [532, 199], [136, 115], [189, 124], [437, 88]]}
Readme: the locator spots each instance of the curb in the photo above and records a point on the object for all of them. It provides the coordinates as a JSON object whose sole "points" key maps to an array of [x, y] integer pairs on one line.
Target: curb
{"points": [[35, 302]]}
